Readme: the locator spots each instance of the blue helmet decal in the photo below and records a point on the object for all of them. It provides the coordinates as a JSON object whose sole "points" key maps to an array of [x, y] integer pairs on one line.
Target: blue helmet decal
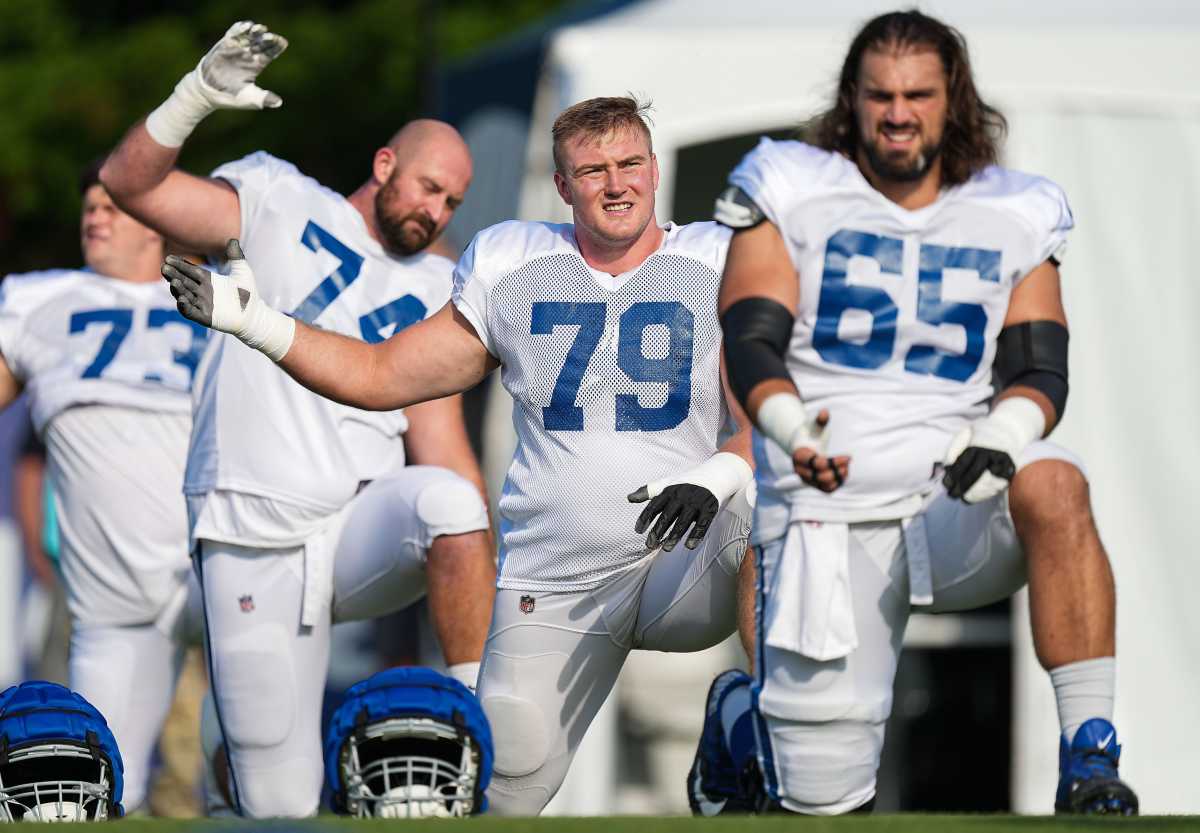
{"points": [[409, 692], [38, 713]]}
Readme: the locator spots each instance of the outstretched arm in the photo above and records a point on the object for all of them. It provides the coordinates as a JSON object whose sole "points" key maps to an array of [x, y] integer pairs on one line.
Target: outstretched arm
{"points": [[437, 357], [199, 212]]}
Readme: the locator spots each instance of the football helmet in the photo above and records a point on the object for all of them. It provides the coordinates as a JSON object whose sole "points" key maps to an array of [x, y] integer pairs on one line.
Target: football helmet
{"points": [[58, 759], [409, 743]]}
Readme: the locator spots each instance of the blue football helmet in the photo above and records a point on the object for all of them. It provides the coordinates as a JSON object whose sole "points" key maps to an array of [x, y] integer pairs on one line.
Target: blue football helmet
{"points": [[409, 743], [58, 759]]}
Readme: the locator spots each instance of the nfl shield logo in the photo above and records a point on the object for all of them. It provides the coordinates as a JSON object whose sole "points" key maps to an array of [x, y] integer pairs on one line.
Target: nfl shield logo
{"points": [[527, 604], [246, 603]]}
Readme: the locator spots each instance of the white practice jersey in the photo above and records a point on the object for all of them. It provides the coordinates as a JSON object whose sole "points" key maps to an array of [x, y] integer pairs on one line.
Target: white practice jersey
{"points": [[108, 366], [294, 457], [899, 313], [615, 382]]}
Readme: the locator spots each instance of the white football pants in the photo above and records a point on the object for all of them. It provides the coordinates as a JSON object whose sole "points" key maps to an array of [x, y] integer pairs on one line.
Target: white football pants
{"points": [[129, 672], [267, 670], [820, 724], [552, 658]]}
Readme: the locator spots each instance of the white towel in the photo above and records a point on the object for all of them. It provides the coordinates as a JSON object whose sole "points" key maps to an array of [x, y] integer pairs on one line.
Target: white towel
{"points": [[319, 552], [916, 550], [810, 611]]}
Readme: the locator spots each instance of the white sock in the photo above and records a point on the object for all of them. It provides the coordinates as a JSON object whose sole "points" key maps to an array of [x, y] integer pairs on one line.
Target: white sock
{"points": [[1084, 690], [466, 673]]}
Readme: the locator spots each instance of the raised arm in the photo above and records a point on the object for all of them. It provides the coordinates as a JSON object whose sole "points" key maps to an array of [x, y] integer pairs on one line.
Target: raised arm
{"points": [[437, 357], [199, 212]]}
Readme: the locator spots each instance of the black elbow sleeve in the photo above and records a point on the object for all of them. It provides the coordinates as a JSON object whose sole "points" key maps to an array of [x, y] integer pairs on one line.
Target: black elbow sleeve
{"points": [[757, 332], [1034, 354]]}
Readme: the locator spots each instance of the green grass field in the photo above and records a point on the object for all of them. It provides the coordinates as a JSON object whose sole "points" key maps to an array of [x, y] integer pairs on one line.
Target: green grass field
{"points": [[900, 823]]}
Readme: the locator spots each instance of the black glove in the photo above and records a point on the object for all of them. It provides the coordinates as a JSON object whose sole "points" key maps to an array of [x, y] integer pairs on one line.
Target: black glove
{"points": [[677, 508], [961, 475]]}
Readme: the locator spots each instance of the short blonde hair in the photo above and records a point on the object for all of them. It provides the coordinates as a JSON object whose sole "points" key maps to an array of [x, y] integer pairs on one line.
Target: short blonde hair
{"points": [[597, 118]]}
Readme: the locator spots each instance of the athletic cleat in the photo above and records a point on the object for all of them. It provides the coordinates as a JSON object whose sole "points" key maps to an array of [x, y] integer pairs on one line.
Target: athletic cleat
{"points": [[1088, 782], [712, 784]]}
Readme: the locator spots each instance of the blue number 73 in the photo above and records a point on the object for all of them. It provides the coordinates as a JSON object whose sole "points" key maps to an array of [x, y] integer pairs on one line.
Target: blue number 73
{"points": [[119, 321]]}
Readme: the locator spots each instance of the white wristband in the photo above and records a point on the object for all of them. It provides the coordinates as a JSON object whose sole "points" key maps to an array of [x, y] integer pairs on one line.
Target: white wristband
{"points": [[1022, 418], [267, 330], [175, 119], [782, 419], [723, 474]]}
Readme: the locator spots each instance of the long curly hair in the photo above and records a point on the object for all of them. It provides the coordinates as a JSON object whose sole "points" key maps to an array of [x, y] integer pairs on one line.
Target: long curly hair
{"points": [[974, 129]]}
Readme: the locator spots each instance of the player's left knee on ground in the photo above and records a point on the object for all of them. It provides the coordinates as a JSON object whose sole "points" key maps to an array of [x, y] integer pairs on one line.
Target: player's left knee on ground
{"points": [[450, 505], [274, 775], [525, 774], [825, 768]]}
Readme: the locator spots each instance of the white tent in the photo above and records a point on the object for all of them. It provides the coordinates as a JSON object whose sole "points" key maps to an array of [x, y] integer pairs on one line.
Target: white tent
{"points": [[1101, 98]]}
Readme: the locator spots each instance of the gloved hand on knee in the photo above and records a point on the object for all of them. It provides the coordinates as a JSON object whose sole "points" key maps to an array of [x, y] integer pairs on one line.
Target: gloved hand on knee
{"points": [[689, 500], [981, 460]]}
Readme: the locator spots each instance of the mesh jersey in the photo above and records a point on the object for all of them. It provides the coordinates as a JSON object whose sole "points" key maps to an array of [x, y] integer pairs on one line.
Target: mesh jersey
{"points": [[257, 431], [615, 382], [107, 365], [898, 316]]}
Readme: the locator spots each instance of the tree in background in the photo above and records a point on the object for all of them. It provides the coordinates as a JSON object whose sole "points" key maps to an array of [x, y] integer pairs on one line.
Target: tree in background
{"points": [[75, 75]]}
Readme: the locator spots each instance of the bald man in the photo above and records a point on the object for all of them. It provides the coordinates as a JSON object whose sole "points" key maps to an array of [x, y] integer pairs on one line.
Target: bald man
{"points": [[300, 511]]}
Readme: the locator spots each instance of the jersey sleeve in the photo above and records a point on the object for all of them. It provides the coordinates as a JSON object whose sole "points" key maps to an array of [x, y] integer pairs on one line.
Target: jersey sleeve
{"points": [[11, 321], [470, 292], [253, 176], [19, 296], [757, 176], [1050, 215]]}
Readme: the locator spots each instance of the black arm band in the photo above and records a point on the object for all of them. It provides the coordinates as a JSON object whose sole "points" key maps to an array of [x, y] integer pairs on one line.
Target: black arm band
{"points": [[1034, 354], [757, 334]]}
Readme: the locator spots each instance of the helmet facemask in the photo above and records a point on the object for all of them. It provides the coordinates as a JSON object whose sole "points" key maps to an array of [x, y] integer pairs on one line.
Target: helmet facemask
{"points": [[54, 782], [409, 767]]}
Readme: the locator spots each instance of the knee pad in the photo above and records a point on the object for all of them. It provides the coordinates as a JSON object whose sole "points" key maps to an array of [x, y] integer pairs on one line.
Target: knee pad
{"points": [[520, 727], [822, 768], [450, 505], [255, 684]]}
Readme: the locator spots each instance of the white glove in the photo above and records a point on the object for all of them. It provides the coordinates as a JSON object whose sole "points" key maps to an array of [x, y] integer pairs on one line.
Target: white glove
{"points": [[224, 79], [229, 304], [690, 499], [981, 460]]}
